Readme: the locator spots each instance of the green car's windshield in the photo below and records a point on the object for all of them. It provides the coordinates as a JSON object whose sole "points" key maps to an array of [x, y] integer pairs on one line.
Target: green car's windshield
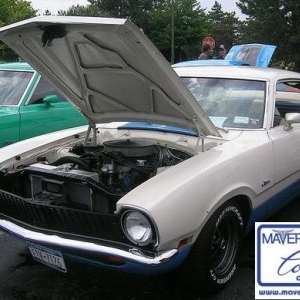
{"points": [[13, 85], [231, 103]]}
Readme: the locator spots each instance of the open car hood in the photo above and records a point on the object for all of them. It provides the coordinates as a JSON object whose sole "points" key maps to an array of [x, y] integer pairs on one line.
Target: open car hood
{"points": [[109, 69]]}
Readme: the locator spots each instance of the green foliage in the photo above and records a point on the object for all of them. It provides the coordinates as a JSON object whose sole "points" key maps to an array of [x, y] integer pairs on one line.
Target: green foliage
{"points": [[191, 23], [190, 27], [13, 11], [47, 13], [274, 22], [81, 10], [223, 26], [154, 17], [136, 10]]}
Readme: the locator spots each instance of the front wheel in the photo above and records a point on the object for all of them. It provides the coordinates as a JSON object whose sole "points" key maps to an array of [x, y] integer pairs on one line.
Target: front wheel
{"points": [[212, 260]]}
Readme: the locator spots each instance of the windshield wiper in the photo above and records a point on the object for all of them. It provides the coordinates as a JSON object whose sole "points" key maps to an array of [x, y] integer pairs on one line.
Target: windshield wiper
{"points": [[222, 129]]}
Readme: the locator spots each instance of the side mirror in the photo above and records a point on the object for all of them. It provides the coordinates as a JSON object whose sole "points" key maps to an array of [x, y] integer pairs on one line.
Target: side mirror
{"points": [[48, 100], [291, 118]]}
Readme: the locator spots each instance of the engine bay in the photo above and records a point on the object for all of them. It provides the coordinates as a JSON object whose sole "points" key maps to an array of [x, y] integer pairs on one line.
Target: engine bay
{"points": [[91, 178]]}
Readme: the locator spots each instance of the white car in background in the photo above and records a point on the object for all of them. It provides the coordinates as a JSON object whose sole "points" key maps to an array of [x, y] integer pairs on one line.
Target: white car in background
{"points": [[172, 171]]}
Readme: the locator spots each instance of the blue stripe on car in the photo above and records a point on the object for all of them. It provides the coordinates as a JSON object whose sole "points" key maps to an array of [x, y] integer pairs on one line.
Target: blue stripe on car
{"points": [[157, 127], [274, 204], [135, 267]]}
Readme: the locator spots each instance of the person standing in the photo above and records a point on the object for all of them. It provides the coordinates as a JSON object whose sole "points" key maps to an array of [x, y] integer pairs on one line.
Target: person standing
{"points": [[221, 52], [205, 52]]}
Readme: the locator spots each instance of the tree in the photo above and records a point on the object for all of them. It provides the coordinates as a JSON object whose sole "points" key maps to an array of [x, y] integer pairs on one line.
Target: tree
{"points": [[190, 27], [47, 12], [13, 11], [81, 10], [223, 26], [275, 22], [154, 18], [135, 10]]}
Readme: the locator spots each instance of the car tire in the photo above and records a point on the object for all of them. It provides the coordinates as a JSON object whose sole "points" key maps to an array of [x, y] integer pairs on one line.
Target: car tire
{"points": [[212, 261]]}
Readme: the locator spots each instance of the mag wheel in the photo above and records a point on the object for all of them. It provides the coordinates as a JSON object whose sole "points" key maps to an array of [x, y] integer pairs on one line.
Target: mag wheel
{"points": [[212, 260]]}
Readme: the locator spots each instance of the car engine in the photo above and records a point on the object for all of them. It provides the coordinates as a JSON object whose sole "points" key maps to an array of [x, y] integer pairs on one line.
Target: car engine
{"points": [[92, 178]]}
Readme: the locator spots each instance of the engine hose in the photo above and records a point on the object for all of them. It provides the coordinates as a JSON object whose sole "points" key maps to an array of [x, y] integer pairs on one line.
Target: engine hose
{"points": [[72, 160]]}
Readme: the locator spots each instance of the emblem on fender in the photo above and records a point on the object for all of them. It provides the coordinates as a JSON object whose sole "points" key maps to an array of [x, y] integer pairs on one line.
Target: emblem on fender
{"points": [[265, 182]]}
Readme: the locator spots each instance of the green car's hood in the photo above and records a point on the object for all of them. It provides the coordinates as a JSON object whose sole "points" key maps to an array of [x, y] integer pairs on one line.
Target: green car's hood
{"points": [[109, 69]]}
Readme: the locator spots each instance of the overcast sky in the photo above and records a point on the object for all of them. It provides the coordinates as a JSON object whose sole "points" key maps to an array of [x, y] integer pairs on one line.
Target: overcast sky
{"points": [[55, 5], [227, 5]]}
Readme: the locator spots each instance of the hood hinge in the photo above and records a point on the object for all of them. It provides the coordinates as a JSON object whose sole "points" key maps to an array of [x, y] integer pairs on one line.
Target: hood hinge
{"points": [[201, 136], [92, 128]]}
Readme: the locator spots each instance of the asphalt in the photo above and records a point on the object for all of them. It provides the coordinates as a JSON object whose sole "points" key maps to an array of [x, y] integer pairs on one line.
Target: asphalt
{"points": [[21, 278]]}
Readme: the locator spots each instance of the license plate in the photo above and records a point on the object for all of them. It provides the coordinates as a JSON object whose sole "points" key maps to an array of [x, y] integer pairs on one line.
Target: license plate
{"points": [[49, 257]]}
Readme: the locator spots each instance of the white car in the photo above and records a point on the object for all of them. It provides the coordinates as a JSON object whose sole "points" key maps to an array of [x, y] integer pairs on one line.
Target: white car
{"points": [[172, 171]]}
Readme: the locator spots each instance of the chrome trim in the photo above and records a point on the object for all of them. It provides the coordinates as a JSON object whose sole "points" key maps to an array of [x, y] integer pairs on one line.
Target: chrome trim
{"points": [[125, 230], [38, 79], [125, 208], [132, 255]]}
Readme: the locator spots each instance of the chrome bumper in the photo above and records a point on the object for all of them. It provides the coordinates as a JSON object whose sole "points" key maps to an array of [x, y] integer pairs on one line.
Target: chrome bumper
{"points": [[133, 254]]}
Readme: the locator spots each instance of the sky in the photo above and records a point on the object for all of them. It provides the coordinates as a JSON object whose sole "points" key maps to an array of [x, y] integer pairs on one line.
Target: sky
{"points": [[227, 5], [55, 5]]}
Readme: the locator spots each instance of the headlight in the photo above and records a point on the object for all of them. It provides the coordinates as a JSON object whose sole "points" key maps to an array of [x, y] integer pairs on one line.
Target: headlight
{"points": [[137, 228]]}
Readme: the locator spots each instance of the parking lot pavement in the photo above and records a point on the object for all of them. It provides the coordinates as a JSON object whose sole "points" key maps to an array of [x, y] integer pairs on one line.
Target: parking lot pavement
{"points": [[21, 278]]}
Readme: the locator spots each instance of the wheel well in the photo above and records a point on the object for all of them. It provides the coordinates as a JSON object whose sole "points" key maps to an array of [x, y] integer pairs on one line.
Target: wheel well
{"points": [[244, 203]]}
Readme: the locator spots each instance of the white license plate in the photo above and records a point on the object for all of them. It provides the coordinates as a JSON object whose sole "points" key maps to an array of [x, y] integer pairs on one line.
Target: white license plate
{"points": [[49, 257]]}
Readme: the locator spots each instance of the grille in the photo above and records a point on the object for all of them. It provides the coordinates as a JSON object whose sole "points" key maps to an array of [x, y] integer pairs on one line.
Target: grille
{"points": [[60, 219]]}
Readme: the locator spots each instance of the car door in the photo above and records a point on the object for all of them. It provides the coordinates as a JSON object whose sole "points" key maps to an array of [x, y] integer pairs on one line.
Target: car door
{"points": [[14, 86], [9, 125], [286, 143], [39, 115]]}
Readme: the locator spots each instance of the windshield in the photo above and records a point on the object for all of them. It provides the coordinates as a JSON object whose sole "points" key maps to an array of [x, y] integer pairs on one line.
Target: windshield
{"points": [[13, 85], [231, 103]]}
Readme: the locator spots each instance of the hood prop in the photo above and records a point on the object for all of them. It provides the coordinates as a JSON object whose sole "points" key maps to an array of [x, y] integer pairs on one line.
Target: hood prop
{"points": [[92, 128], [201, 136]]}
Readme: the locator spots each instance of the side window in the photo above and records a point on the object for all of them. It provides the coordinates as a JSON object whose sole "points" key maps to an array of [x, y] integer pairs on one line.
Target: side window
{"points": [[13, 85], [249, 54], [43, 89], [287, 100], [288, 86]]}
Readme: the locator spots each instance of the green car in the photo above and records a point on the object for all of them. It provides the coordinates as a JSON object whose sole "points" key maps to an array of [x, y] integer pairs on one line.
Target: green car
{"points": [[30, 105]]}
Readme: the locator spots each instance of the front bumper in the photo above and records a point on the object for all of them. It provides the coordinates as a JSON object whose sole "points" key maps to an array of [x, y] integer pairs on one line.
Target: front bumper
{"points": [[133, 260]]}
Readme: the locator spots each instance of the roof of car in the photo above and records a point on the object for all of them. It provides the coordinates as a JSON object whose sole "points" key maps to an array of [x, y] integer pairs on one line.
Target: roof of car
{"points": [[16, 66], [258, 55], [208, 62], [228, 71]]}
